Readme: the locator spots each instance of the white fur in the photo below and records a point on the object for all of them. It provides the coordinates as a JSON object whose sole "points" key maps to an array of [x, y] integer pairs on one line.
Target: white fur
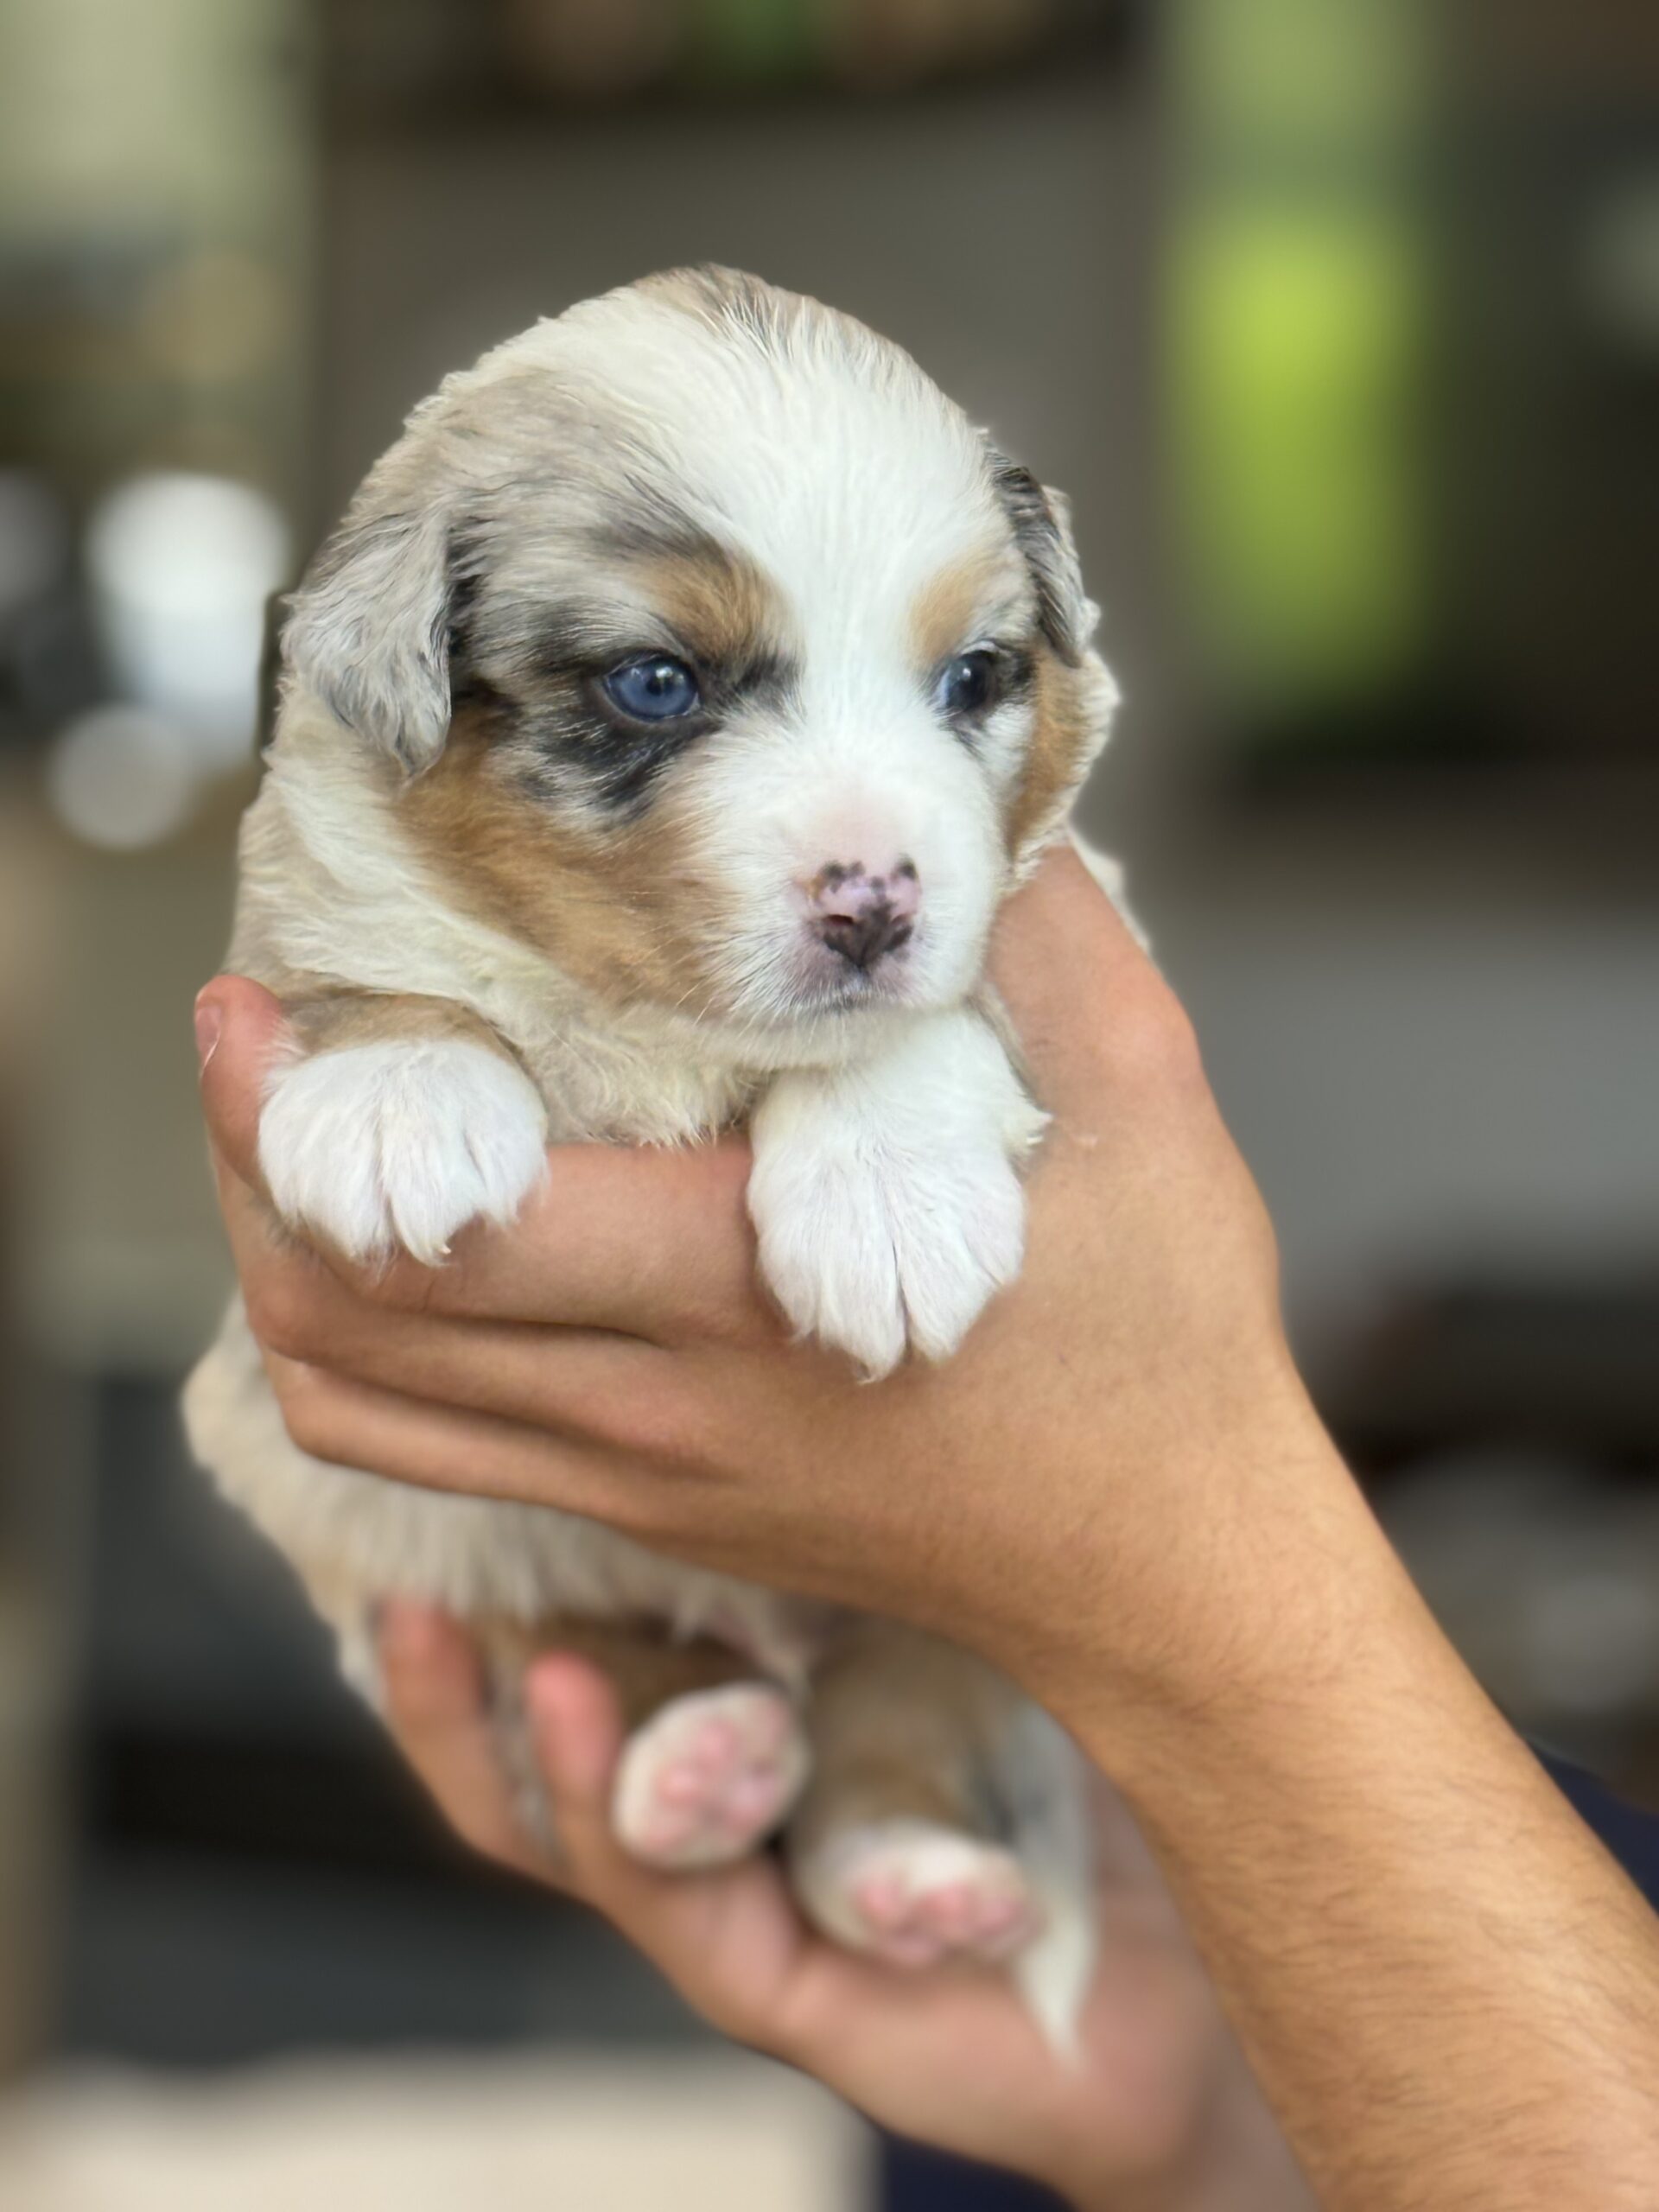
{"points": [[885, 1194], [356, 1535], [1042, 1777], [393, 1145], [889, 1135]]}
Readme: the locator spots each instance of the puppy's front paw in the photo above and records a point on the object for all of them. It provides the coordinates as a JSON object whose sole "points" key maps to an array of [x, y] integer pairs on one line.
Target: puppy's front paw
{"points": [[873, 1243], [388, 1144]]}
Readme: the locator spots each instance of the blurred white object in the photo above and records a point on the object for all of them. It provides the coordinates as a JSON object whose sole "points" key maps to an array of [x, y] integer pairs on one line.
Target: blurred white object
{"points": [[181, 567], [518, 2135], [123, 777]]}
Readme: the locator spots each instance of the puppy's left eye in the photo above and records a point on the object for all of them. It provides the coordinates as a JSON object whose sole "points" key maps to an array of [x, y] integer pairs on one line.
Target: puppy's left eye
{"points": [[970, 684], [652, 688]]}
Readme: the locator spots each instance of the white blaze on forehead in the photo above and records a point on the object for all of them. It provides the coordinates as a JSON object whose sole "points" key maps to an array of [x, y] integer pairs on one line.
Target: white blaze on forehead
{"points": [[816, 448]]}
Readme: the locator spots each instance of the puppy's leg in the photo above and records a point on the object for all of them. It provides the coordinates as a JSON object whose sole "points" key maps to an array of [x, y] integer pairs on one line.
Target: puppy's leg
{"points": [[394, 1123], [713, 1758], [901, 1846], [944, 1818], [885, 1195]]}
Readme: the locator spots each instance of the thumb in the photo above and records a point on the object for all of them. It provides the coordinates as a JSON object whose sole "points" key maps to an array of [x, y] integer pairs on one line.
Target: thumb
{"points": [[1081, 992], [240, 1031]]}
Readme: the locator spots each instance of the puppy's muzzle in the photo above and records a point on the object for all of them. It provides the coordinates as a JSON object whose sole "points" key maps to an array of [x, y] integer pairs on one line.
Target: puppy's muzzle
{"points": [[860, 916]]}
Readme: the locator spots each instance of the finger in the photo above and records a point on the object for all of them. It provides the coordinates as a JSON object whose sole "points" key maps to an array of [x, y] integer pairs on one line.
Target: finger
{"points": [[579, 1383], [436, 1712], [1087, 1003], [352, 1424], [240, 1031], [730, 1942], [654, 1242], [651, 1243]]}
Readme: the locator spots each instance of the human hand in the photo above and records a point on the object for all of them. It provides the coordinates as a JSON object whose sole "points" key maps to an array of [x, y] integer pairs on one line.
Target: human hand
{"points": [[1118, 1490], [1077, 1493], [1158, 2114]]}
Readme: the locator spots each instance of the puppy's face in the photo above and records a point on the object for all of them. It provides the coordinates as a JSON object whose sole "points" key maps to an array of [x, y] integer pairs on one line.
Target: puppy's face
{"points": [[721, 659]]}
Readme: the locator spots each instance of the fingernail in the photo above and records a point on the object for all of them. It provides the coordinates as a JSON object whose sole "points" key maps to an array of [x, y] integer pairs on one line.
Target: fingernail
{"points": [[209, 1017]]}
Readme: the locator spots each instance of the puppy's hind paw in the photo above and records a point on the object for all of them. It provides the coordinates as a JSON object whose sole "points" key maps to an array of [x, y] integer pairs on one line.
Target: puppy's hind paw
{"points": [[913, 1894], [399, 1145], [709, 1777]]}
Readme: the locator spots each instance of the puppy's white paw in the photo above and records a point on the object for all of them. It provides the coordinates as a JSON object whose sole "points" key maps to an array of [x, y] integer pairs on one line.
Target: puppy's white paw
{"points": [[389, 1145], [912, 1894], [710, 1776], [885, 1194], [871, 1248]]}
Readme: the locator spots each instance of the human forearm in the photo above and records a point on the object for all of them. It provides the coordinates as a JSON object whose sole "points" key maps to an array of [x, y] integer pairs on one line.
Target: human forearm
{"points": [[1449, 1993], [1234, 2158]]}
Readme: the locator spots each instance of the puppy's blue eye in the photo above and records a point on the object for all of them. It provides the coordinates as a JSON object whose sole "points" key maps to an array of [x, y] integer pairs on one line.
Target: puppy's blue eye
{"points": [[968, 684], [652, 688]]}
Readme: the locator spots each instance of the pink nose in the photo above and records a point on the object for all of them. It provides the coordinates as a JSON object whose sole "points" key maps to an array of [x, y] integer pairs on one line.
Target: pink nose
{"points": [[864, 917]]}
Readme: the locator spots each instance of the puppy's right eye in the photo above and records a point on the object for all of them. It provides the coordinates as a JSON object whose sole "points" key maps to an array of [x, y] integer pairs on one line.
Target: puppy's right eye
{"points": [[652, 688]]}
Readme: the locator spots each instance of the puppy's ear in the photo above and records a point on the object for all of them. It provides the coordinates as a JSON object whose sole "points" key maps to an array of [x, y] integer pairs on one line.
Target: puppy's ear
{"points": [[369, 630], [1042, 529]]}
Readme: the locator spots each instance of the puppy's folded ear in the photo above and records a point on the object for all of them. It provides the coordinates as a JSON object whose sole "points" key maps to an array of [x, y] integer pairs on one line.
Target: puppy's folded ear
{"points": [[1042, 527], [369, 629]]}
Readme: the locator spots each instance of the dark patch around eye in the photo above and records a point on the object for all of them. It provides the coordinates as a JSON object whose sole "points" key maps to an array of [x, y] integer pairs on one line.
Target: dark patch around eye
{"points": [[570, 739]]}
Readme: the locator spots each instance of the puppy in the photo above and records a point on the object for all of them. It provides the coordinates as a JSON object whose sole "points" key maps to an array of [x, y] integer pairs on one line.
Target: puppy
{"points": [[658, 735]]}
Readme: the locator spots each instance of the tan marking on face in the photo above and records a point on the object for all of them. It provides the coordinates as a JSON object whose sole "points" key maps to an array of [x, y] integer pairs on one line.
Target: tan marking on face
{"points": [[1062, 740], [944, 615], [727, 610], [620, 907]]}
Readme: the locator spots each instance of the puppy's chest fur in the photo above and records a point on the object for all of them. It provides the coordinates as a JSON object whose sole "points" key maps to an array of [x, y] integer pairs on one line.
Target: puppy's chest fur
{"points": [[323, 910], [332, 901]]}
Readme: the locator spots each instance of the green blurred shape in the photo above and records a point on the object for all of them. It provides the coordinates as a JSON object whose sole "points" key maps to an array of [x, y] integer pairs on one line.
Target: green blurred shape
{"points": [[1297, 312], [1297, 344], [757, 41]]}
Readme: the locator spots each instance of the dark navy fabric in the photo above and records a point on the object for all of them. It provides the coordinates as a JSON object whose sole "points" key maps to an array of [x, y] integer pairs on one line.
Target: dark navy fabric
{"points": [[1630, 1835], [914, 2180]]}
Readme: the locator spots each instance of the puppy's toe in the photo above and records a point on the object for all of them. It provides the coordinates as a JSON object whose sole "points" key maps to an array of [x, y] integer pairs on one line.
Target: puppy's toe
{"points": [[875, 1256], [953, 1262], [709, 1777], [912, 1894]]}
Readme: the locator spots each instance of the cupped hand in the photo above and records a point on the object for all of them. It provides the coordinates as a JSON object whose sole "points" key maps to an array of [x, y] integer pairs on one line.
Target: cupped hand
{"points": [[1157, 2114], [1062, 1493]]}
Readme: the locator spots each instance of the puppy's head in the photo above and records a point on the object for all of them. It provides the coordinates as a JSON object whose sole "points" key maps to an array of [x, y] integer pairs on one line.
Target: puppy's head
{"points": [[714, 653]]}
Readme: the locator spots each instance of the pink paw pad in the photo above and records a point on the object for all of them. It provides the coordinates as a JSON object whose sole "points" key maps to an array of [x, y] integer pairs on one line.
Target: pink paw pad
{"points": [[709, 1777], [913, 1894]]}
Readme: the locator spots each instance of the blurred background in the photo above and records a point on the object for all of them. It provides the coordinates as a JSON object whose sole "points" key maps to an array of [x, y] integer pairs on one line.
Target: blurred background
{"points": [[1340, 320]]}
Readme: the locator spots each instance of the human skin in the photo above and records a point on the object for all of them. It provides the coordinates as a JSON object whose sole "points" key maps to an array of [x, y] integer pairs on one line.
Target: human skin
{"points": [[1118, 1492]]}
